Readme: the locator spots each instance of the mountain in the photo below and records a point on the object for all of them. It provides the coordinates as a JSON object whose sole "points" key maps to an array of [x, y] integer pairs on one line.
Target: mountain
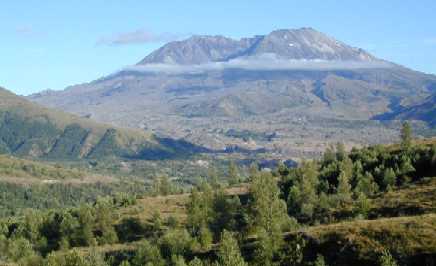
{"points": [[304, 43], [425, 110], [29, 130], [290, 92]]}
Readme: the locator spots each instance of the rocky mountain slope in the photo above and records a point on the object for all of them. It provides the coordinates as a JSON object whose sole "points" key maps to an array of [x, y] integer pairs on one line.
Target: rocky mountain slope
{"points": [[290, 91], [304, 43], [425, 110]]}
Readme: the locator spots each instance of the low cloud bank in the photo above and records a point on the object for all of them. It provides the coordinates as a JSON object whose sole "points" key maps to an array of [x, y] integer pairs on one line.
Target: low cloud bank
{"points": [[266, 62]]}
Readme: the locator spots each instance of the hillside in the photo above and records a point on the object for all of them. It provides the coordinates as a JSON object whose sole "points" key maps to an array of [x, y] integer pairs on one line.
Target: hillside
{"points": [[425, 110], [29, 130], [372, 206], [290, 92]]}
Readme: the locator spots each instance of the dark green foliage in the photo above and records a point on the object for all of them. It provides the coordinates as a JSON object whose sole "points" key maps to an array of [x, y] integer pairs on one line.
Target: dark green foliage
{"points": [[341, 180], [15, 197], [229, 253], [24, 136], [406, 136], [70, 142], [148, 254]]}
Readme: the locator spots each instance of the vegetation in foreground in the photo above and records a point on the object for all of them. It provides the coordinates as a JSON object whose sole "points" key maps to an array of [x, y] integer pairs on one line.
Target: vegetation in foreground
{"points": [[345, 209]]}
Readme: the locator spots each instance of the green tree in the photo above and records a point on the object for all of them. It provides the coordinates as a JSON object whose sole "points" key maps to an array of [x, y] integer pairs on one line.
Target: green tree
{"points": [[162, 186], [340, 151], [234, 175], [147, 254], [389, 179], [362, 205], [268, 215], [175, 242], [104, 220], [177, 260], [292, 253], [196, 262], [406, 136], [343, 191], [303, 196], [84, 234], [205, 237], [125, 263], [226, 210], [200, 209], [366, 185], [229, 253]]}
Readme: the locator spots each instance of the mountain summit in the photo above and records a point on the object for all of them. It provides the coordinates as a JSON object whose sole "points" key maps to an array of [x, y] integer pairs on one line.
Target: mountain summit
{"points": [[304, 43], [277, 91]]}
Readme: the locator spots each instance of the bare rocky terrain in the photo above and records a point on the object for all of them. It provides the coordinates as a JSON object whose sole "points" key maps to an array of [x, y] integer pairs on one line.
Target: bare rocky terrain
{"points": [[291, 92]]}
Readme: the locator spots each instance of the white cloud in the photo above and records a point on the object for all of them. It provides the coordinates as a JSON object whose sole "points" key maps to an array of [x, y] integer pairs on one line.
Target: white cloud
{"points": [[137, 37], [263, 62]]}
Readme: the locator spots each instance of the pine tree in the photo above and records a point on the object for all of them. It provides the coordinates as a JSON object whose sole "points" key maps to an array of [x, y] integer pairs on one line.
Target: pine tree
{"points": [[268, 215], [196, 262], [362, 205], [104, 218], [406, 136], [303, 198], [229, 253], [148, 254], [389, 179], [343, 189], [234, 175], [366, 185]]}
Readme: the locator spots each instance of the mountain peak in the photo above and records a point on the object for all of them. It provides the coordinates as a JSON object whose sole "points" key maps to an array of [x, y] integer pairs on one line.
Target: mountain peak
{"points": [[297, 44]]}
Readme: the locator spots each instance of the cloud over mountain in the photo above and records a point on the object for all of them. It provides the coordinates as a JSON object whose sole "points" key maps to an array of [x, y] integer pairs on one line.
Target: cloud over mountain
{"points": [[136, 37]]}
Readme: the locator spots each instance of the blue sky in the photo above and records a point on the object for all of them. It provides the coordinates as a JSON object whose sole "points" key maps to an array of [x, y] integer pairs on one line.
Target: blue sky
{"points": [[53, 44]]}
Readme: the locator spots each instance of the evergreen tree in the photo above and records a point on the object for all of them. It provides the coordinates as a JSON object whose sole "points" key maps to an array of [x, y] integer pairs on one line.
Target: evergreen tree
{"points": [[366, 185], [234, 175], [229, 253], [362, 205], [200, 209], [125, 263], [292, 253], [340, 151], [389, 179], [104, 218], [268, 216], [406, 136], [148, 254], [266, 248], [177, 260], [344, 189], [196, 262], [303, 198]]}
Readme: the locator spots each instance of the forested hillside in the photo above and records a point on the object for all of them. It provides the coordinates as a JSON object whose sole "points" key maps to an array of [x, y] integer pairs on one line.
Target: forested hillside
{"points": [[369, 206], [29, 130]]}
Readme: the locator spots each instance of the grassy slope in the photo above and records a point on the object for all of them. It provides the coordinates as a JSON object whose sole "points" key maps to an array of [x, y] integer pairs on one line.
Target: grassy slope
{"points": [[27, 129], [356, 242]]}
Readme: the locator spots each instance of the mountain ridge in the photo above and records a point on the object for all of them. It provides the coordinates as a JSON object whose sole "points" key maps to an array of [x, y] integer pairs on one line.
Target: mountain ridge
{"points": [[29, 130], [202, 91], [303, 43]]}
